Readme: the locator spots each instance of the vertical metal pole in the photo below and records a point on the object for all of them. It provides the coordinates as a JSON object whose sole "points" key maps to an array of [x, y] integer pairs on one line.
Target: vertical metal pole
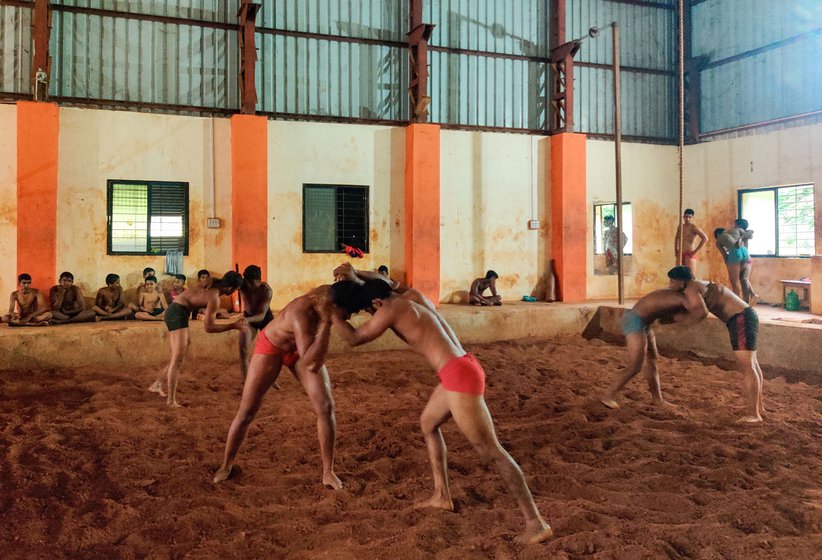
{"points": [[618, 161], [40, 61]]}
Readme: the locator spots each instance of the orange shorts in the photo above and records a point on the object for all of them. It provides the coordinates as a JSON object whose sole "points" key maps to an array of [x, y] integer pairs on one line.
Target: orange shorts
{"points": [[463, 375], [265, 347]]}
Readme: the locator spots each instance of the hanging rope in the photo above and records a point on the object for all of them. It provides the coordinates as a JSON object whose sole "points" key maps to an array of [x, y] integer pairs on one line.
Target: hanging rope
{"points": [[681, 258]]}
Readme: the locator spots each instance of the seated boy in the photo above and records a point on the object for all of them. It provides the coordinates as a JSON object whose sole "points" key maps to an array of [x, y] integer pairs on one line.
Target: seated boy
{"points": [[152, 303], [109, 303], [27, 307], [148, 271], [204, 281], [480, 285], [67, 303]]}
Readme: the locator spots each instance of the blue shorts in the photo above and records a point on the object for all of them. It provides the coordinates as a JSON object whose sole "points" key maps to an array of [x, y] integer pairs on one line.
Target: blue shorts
{"points": [[632, 323], [738, 255]]}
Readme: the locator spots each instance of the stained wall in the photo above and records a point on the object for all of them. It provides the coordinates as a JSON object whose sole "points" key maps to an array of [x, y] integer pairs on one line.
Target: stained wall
{"points": [[8, 203], [650, 182], [491, 185], [717, 170]]}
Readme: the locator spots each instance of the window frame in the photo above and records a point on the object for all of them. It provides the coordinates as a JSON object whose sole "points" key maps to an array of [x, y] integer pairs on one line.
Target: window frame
{"points": [[336, 186], [775, 188], [594, 233], [109, 203]]}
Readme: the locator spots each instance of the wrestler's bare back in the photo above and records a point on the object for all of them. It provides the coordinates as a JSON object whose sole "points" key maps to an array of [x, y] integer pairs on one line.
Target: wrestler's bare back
{"points": [[302, 310], [660, 304]]}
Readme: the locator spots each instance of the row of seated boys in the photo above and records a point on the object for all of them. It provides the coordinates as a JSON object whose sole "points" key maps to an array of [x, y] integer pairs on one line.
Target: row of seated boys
{"points": [[66, 304]]}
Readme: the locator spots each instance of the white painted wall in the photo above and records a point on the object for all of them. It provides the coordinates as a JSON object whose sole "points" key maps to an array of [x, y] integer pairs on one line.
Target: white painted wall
{"points": [[486, 201], [8, 203], [650, 182]]}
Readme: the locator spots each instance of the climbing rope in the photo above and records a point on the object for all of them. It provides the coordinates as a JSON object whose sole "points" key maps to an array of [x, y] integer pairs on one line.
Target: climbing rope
{"points": [[681, 131]]}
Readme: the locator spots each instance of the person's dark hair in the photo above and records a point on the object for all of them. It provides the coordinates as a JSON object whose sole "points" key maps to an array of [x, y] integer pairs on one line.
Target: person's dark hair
{"points": [[111, 279], [180, 277], [719, 231], [147, 270], [371, 290], [23, 276], [681, 273], [608, 218], [230, 279], [741, 223], [68, 275], [150, 279], [491, 274], [688, 212], [348, 295], [203, 272], [252, 272], [383, 269]]}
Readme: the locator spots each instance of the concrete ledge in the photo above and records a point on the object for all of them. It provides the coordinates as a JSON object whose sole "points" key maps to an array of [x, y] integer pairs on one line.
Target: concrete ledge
{"points": [[781, 345], [144, 344]]}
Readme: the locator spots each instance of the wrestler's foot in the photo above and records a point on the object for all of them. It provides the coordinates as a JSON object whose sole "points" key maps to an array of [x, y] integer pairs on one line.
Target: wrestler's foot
{"points": [[754, 300], [436, 501], [535, 532], [174, 404], [222, 474], [157, 387], [660, 402], [609, 402], [332, 481], [43, 324], [749, 419]]}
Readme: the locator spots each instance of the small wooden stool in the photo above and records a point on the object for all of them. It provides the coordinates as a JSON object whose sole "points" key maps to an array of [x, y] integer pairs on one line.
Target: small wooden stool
{"points": [[797, 285]]}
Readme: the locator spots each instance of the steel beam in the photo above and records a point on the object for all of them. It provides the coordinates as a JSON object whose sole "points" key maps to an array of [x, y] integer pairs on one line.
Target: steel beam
{"points": [[248, 56]]}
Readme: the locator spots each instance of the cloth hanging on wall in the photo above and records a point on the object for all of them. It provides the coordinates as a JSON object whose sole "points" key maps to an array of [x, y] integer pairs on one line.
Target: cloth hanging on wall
{"points": [[174, 262]]}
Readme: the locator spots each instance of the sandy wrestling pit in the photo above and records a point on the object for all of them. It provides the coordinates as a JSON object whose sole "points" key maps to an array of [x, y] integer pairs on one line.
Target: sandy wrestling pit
{"points": [[94, 466]]}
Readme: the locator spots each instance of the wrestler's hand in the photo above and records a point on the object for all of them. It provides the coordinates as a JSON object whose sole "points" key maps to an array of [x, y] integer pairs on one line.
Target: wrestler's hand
{"points": [[241, 324], [345, 272]]}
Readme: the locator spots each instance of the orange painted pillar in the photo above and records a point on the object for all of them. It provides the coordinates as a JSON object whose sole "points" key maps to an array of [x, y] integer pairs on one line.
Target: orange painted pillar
{"points": [[37, 141], [249, 191], [422, 209], [568, 216]]}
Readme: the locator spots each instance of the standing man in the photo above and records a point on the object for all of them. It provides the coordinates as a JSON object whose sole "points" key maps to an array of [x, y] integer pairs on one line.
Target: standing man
{"points": [[256, 299], [689, 232], [67, 303], [673, 304], [298, 339], [176, 318], [459, 394], [610, 235]]}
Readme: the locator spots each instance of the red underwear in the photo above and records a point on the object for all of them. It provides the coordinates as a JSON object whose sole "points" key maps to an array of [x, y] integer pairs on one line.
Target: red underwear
{"points": [[689, 255], [265, 347], [463, 375]]}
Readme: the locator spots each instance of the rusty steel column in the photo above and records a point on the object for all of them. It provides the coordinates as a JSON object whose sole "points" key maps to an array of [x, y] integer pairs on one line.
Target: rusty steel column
{"points": [[562, 66], [41, 61], [248, 56], [418, 53]]}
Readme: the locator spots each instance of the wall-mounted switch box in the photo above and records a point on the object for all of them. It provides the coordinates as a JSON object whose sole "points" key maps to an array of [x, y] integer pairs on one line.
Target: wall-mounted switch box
{"points": [[533, 224], [214, 223]]}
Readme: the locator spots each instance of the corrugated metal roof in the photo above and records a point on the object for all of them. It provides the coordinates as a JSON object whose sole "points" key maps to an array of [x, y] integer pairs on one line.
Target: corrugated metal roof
{"points": [[15, 49], [113, 58], [519, 28], [223, 11]]}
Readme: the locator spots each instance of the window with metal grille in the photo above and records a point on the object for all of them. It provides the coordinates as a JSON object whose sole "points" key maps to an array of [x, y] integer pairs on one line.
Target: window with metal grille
{"points": [[782, 219], [333, 216], [147, 217]]}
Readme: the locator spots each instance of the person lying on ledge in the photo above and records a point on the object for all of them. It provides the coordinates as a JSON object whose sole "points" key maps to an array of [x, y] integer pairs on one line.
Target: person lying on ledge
{"points": [[479, 285], [67, 303], [27, 306], [152, 303], [110, 303], [673, 304], [346, 271]]}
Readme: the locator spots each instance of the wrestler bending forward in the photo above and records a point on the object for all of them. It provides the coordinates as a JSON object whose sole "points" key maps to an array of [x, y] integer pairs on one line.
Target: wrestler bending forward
{"points": [[297, 338], [459, 394]]}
